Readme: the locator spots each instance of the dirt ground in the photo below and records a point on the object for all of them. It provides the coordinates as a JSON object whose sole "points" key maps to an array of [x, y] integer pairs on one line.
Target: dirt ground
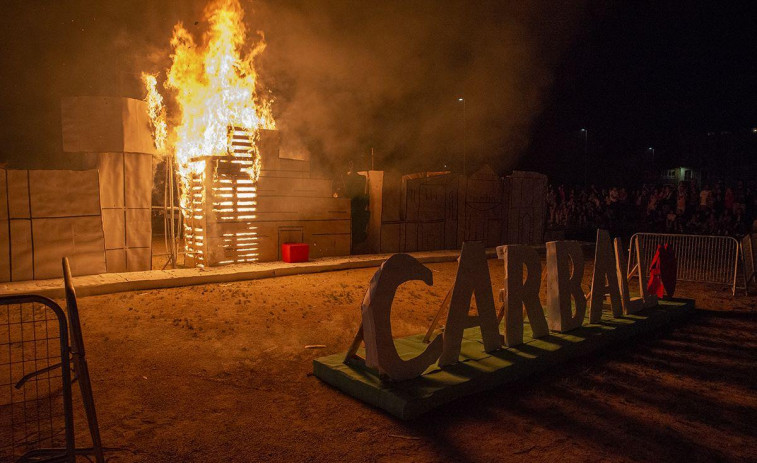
{"points": [[220, 373]]}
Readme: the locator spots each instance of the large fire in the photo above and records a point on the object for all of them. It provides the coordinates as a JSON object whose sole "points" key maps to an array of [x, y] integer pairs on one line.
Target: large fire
{"points": [[216, 87], [216, 90], [157, 112]]}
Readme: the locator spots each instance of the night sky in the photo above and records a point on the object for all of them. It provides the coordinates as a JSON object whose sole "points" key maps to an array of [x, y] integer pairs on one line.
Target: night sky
{"points": [[653, 74], [349, 76]]}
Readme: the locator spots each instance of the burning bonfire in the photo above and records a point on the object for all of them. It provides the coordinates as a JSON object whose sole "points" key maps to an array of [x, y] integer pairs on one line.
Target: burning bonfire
{"points": [[215, 142]]}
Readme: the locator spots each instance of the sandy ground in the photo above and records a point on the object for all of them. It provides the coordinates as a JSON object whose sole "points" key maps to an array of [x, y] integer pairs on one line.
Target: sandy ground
{"points": [[220, 373]]}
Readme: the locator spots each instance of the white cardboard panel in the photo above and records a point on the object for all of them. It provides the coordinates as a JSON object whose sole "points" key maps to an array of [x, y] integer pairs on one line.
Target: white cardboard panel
{"points": [[80, 239], [137, 134], [293, 152], [114, 228], [138, 259], [111, 168], [391, 197], [115, 260], [372, 243], [138, 228], [310, 187], [3, 194], [92, 124], [105, 124], [5, 264], [268, 249], [390, 237], [269, 171], [293, 165], [291, 235], [329, 245], [311, 227], [18, 194], [526, 193], [22, 266], [291, 148], [78, 161], [138, 180], [64, 193], [305, 208], [268, 145]]}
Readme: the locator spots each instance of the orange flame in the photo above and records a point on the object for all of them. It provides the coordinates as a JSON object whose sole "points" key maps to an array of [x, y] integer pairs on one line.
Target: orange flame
{"points": [[156, 111], [215, 86]]}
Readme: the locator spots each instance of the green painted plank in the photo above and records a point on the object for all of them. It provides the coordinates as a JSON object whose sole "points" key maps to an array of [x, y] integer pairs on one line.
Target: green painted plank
{"points": [[478, 370]]}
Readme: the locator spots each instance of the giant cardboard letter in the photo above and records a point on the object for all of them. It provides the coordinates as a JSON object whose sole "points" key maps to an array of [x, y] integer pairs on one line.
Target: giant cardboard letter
{"points": [[519, 294], [562, 285], [604, 280], [472, 278], [630, 305], [650, 300], [380, 352]]}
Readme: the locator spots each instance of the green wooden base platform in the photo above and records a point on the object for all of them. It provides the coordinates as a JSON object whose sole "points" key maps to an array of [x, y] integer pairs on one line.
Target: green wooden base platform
{"points": [[479, 371]]}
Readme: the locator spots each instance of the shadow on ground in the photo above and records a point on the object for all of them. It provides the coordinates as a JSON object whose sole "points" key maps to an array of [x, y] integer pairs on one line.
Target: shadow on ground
{"points": [[684, 394]]}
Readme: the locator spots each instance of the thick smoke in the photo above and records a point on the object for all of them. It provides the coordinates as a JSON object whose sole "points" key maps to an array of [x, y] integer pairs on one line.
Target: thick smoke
{"points": [[347, 76]]}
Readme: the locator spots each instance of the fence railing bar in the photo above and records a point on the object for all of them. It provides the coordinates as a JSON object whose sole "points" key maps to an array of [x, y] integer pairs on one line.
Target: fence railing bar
{"points": [[701, 258]]}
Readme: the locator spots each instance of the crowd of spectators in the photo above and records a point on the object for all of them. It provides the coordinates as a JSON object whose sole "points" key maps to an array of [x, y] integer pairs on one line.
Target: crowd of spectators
{"points": [[717, 209]]}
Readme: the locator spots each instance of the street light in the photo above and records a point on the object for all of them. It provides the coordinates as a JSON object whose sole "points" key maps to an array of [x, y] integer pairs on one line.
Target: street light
{"points": [[465, 128], [652, 150]]}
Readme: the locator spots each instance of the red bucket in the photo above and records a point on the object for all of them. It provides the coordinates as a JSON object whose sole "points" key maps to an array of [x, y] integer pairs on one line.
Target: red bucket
{"points": [[295, 252]]}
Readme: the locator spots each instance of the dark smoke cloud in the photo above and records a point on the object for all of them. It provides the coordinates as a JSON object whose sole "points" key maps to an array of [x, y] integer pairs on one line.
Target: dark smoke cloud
{"points": [[346, 75]]}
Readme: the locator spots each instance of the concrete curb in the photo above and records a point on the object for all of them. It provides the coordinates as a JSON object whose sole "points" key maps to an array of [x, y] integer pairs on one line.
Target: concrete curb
{"points": [[109, 283]]}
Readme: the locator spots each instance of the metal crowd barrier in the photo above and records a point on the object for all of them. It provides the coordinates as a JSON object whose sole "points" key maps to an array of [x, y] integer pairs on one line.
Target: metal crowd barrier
{"points": [[41, 357], [36, 418], [748, 249], [705, 259]]}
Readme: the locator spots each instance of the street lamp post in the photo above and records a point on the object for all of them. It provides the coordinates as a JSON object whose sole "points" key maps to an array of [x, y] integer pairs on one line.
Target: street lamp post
{"points": [[465, 129]]}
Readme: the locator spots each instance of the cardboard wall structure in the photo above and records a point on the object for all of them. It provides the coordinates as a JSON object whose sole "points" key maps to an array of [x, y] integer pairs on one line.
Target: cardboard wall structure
{"points": [[434, 211], [482, 216], [428, 211], [113, 136], [99, 215], [126, 199], [106, 125], [291, 206], [525, 208], [46, 215]]}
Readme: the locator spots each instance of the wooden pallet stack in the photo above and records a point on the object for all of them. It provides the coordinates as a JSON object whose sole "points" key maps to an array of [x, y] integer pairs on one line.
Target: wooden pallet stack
{"points": [[220, 227], [231, 219]]}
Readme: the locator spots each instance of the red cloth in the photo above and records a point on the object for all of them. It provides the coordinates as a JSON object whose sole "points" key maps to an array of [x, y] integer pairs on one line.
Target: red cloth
{"points": [[654, 286], [663, 272]]}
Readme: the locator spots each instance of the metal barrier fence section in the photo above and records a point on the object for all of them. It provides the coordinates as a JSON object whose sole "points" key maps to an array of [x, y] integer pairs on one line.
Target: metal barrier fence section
{"points": [[706, 259], [35, 383], [79, 363], [748, 252]]}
